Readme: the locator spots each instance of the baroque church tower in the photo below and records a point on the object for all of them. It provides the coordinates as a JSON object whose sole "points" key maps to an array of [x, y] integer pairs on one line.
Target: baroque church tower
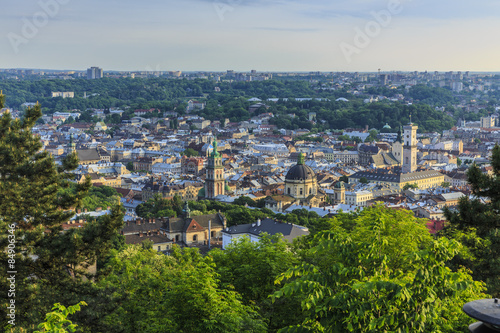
{"points": [[215, 182]]}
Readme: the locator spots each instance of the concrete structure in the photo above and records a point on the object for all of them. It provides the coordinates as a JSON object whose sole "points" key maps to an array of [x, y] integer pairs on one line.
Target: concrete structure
{"points": [[63, 94], [488, 122], [94, 73]]}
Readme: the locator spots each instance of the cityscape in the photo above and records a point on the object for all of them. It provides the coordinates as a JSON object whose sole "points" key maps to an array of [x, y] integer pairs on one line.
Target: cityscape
{"points": [[293, 186]]}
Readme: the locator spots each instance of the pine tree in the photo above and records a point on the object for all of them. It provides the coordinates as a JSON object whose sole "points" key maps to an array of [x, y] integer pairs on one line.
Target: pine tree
{"points": [[51, 265]]}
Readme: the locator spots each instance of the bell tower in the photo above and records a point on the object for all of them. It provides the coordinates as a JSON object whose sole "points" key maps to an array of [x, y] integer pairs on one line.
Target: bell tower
{"points": [[214, 182], [410, 148]]}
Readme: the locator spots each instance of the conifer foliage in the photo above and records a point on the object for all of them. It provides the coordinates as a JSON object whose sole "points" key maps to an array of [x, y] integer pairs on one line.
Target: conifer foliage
{"points": [[51, 265]]}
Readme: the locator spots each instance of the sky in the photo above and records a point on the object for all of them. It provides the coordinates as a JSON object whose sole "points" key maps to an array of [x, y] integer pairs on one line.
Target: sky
{"points": [[241, 35]]}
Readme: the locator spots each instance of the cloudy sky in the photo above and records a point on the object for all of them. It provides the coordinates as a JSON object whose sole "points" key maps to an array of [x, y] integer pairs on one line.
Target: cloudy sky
{"points": [[266, 35]]}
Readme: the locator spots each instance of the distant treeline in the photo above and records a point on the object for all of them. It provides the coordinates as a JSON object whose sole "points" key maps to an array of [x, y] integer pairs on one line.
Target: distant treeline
{"points": [[232, 101]]}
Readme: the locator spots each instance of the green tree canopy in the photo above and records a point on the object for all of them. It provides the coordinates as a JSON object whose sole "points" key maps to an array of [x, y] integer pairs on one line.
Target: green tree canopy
{"points": [[382, 273], [476, 223], [177, 293]]}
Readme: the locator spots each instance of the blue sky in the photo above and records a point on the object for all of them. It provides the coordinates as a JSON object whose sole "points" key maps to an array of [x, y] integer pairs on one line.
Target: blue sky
{"points": [[271, 35]]}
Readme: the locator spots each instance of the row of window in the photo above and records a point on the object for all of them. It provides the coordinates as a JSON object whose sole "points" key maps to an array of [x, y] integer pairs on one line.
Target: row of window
{"points": [[300, 190]]}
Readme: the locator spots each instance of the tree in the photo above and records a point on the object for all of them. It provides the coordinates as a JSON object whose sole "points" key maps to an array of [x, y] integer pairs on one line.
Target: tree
{"points": [[51, 264], [383, 273], [160, 207], [130, 166], [57, 322], [459, 162], [445, 184], [251, 269], [344, 179], [410, 186], [363, 180], [477, 223], [163, 293], [190, 152]]}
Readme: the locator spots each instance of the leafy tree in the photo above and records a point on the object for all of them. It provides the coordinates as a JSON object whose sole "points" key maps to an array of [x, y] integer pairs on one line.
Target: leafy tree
{"points": [[52, 264], [159, 207], [243, 200], [57, 322], [345, 179], [445, 184], [410, 186], [475, 218], [363, 180], [190, 152], [384, 273], [177, 293], [251, 269]]}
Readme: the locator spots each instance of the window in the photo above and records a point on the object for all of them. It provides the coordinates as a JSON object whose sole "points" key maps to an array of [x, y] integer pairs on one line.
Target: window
{"points": [[159, 248], [176, 238], [195, 238], [212, 234], [310, 190], [300, 191], [288, 190]]}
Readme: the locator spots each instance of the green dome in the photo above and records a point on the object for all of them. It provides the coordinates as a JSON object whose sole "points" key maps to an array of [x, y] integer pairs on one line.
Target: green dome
{"points": [[339, 184]]}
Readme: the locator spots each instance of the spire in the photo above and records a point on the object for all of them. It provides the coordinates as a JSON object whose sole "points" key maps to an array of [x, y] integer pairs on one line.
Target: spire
{"points": [[399, 137], [300, 160], [214, 151], [187, 211], [72, 145]]}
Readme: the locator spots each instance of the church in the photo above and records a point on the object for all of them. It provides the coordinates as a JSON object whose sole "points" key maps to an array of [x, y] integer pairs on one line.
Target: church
{"points": [[408, 173], [185, 230], [301, 188]]}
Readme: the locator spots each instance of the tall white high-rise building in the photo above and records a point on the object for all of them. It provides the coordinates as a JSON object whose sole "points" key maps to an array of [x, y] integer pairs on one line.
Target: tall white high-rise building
{"points": [[94, 73], [410, 148]]}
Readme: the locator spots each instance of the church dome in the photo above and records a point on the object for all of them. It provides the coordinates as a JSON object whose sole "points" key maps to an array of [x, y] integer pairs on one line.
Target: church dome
{"points": [[339, 184], [300, 171]]}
